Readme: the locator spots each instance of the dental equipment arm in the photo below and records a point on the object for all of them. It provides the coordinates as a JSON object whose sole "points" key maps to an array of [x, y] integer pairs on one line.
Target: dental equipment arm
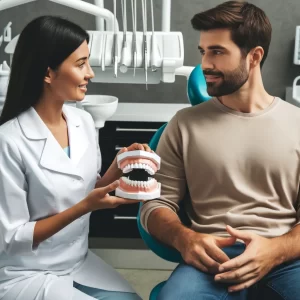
{"points": [[134, 46], [5, 4], [153, 41], [93, 10], [116, 49], [76, 4], [104, 46], [125, 55], [144, 11], [99, 20]]}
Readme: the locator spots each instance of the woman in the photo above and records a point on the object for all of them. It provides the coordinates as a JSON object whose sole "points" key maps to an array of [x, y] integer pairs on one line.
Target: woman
{"points": [[49, 161]]}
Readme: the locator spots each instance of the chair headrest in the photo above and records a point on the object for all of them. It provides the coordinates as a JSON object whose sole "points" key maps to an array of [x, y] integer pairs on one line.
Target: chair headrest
{"points": [[196, 87]]}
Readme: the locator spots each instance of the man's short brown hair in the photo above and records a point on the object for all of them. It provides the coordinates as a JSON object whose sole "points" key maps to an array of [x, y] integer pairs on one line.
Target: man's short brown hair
{"points": [[249, 25]]}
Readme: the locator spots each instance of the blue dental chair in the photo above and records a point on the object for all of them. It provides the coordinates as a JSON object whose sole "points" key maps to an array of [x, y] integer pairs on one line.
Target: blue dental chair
{"points": [[196, 90]]}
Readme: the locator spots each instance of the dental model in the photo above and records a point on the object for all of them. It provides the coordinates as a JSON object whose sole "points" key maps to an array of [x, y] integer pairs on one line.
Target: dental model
{"points": [[137, 182]]}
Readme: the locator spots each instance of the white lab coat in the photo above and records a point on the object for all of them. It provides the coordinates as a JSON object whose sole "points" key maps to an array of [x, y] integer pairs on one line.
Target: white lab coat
{"points": [[37, 180]]}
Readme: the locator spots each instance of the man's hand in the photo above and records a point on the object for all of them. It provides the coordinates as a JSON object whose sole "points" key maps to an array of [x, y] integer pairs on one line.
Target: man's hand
{"points": [[259, 257], [203, 251]]}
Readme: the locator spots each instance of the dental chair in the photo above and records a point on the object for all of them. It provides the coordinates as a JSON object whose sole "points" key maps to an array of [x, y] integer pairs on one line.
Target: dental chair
{"points": [[196, 91]]}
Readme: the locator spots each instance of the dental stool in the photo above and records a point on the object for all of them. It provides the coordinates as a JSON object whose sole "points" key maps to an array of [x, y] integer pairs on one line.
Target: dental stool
{"points": [[196, 91]]}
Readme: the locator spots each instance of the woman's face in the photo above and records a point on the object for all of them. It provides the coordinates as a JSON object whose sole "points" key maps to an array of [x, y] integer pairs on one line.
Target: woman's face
{"points": [[70, 81]]}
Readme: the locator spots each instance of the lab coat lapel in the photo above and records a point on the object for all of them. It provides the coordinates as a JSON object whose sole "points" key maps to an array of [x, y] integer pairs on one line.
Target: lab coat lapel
{"points": [[55, 159], [53, 156]]}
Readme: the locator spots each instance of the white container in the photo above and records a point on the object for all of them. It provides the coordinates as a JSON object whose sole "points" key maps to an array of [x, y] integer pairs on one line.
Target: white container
{"points": [[1, 104], [101, 107], [4, 78], [296, 90]]}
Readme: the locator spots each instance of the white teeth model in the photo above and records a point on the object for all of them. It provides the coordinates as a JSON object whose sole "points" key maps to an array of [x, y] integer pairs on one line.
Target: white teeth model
{"points": [[128, 168], [136, 183]]}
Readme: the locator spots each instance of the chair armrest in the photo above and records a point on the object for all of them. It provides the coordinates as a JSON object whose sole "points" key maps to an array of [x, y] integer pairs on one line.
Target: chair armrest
{"points": [[163, 251]]}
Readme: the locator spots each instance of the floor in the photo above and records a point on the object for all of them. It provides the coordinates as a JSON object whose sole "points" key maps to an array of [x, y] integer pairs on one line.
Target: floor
{"points": [[144, 280]]}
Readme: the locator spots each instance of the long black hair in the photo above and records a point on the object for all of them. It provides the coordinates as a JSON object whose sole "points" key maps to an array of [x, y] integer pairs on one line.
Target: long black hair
{"points": [[45, 42]]}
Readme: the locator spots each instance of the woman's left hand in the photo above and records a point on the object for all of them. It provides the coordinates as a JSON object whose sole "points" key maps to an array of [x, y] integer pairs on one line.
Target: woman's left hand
{"points": [[135, 146]]}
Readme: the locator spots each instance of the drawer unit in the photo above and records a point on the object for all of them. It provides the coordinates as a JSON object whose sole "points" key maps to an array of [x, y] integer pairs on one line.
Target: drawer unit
{"points": [[115, 223], [121, 221]]}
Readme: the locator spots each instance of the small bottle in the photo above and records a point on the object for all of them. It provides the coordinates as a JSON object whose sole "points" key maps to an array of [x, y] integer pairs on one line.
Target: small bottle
{"points": [[4, 78]]}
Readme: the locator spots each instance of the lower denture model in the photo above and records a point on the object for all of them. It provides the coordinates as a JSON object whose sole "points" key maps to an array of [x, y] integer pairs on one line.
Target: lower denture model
{"points": [[137, 181]]}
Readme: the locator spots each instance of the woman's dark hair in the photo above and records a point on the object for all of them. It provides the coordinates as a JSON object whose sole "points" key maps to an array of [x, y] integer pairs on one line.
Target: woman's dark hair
{"points": [[45, 42], [249, 25]]}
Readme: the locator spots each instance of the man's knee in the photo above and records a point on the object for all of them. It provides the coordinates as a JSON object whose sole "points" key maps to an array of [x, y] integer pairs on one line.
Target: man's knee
{"points": [[282, 282], [110, 295], [125, 296], [186, 282], [184, 293], [121, 296]]}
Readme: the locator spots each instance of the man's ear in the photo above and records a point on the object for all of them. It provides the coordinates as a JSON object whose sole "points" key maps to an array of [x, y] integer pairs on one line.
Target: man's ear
{"points": [[49, 76], [257, 55]]}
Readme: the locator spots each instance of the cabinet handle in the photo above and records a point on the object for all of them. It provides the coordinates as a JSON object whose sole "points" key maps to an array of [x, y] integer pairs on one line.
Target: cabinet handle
{"points": [[118, 148], [124, 218], [137, 129]]}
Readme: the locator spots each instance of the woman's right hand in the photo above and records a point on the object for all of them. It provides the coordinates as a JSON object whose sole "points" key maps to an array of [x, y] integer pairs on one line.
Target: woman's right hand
{"points": [[99, 198]]}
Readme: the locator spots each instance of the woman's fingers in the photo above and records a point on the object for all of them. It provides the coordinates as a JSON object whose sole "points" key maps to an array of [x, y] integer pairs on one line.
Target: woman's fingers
{"points": [[137, 146]]}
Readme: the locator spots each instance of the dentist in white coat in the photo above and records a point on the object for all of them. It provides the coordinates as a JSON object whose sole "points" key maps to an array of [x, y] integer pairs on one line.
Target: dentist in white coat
{"points": [[49, 161]]}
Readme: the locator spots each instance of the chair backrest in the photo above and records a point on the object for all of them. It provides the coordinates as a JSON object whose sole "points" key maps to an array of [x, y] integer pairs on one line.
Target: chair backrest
{"points": [[155, 139], [158, 248], [196, 90]]}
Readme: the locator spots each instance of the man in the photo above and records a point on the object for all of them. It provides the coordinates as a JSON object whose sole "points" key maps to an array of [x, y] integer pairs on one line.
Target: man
{"points": [[238, 155]]}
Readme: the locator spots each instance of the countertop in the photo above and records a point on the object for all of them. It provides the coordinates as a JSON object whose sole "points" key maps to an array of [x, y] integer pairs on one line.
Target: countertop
{"points": [[147, 112], [143, 112]]}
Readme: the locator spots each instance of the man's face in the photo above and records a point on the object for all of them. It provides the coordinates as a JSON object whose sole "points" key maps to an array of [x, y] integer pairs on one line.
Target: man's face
{"points": [[224, 67]]}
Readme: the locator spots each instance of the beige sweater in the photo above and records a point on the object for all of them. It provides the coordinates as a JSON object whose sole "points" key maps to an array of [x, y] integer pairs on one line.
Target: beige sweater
{"points": [[241, 169]]}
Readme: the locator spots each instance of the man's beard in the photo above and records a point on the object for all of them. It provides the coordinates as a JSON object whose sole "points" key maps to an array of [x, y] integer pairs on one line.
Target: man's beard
{"points": [[230, 81]]}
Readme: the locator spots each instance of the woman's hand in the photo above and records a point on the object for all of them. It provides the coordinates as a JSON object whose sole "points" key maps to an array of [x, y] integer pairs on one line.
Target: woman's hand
{"points": [[135, 146], [99, 198]]}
